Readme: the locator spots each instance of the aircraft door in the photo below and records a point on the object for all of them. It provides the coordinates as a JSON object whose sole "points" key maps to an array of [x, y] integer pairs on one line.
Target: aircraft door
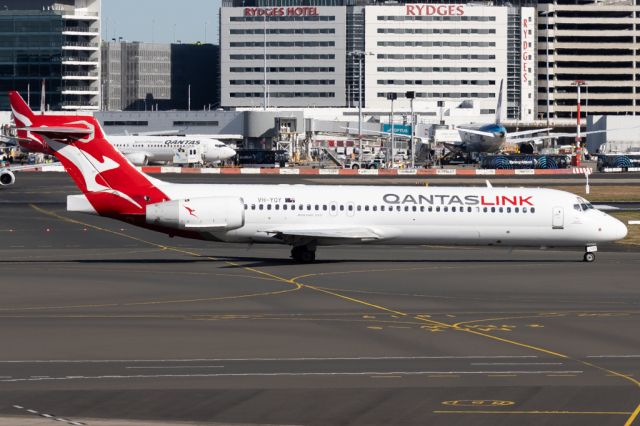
{"points": [[557, 221]]}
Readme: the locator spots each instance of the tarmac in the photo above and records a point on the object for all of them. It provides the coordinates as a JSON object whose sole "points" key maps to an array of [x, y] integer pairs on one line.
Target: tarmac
{"points": [[106, 324]]}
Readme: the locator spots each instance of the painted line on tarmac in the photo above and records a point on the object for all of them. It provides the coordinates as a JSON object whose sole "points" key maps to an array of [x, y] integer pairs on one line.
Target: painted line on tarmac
{"points": [[360, 358], [613, 356], [52, 417], [156, 367], [286, 374], [516, 363], [589, 413]]}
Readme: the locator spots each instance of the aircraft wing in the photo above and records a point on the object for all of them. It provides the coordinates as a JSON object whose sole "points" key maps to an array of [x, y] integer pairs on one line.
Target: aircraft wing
{"points": [[537, 139], [527, 132], [7, 177], [475, 132], [20, 168], [337, 235]]}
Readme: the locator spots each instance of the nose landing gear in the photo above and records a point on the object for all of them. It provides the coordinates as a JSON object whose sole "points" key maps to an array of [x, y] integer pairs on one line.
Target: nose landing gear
{"points": [[590, 253]]}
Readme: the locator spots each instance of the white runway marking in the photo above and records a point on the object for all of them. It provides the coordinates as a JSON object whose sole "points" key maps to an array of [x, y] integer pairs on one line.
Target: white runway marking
{"points": [[613, 356], [365, 358], [293, 374], [179, 366], [49, 416], [516, 363]]}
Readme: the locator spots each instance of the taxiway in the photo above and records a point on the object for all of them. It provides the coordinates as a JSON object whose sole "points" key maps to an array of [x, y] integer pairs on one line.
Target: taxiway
{"points": [[104, 321]]}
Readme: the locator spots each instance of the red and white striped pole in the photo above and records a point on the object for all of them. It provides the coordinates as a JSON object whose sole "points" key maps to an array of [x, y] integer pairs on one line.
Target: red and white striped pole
{"points": [[578, 84], [578, 138]]}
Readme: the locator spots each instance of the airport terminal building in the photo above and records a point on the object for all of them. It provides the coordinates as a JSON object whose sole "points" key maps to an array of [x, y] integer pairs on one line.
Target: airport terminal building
{"points": [[319, 54]]}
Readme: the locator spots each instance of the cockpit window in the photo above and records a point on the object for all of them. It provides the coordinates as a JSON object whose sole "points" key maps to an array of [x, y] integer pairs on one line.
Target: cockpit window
{"points": [[583, 205]]}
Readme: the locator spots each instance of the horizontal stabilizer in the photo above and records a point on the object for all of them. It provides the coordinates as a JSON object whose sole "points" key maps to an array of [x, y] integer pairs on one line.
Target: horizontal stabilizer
{"points": [[58, 131]]}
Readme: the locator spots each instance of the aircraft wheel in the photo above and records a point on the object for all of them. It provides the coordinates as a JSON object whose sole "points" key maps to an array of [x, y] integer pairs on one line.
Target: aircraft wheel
{"points": [[303, 254], [589, 257]]}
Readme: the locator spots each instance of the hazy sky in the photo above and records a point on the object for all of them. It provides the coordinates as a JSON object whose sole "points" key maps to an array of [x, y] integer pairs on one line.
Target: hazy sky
{"points": [[163, 21]]}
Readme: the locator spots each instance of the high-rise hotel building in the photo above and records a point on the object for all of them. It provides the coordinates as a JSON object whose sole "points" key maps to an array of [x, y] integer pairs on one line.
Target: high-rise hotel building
{"points": [[281, 54]]}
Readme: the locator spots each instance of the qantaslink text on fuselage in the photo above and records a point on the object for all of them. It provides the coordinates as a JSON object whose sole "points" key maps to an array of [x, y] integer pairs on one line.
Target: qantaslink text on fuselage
{"points": [[466, 200]]}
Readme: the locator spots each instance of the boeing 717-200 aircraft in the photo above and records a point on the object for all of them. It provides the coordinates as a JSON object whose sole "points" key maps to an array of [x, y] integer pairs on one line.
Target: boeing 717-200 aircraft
{"points": [[307, 216]]}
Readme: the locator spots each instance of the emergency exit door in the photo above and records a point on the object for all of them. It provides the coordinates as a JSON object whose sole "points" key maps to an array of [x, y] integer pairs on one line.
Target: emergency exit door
{"points": [[557, 220]]}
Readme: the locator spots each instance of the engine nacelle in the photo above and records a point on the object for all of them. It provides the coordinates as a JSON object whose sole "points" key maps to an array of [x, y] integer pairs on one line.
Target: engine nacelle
{"points": [[138, 158], [7, 178], [198, 214]]}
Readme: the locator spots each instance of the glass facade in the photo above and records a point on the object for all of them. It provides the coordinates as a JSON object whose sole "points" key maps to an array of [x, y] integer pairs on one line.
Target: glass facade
{"points": [[30, 52]]}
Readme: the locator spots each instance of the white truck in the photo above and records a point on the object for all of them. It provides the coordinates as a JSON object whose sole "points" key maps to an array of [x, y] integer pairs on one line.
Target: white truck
{"points": [[188, 156]]}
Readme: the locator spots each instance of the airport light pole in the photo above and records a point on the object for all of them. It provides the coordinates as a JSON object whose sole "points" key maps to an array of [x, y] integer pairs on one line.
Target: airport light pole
{"points": [[392, 96], [359, 55], [411, 95]]}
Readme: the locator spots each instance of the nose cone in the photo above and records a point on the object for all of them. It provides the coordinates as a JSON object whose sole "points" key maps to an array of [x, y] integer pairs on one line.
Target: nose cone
{"points": [[615, 230], [228, 152]]}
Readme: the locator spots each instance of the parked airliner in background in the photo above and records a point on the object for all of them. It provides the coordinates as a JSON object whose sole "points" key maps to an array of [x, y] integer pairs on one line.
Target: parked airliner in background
{"points": [[143, 149], [140, 149], [492, 137], [306, 216]]}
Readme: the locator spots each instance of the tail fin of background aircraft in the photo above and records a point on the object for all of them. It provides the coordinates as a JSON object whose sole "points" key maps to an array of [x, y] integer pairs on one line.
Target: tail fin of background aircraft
{"points": [[112, 185], [22, 114], [499, 105]]}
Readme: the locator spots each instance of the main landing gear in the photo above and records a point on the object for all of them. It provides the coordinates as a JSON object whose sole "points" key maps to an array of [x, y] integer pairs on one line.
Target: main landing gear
{"points": [[303, 254], [590, 253]]}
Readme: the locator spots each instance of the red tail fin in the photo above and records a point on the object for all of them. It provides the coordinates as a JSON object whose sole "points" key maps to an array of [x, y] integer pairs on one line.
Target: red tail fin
{"points": [[24, 117], [113, 186], [22, 114]]}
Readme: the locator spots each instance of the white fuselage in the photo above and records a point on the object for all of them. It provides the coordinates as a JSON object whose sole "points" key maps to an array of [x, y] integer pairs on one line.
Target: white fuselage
{"points": [[411, 215], [143, 150]]}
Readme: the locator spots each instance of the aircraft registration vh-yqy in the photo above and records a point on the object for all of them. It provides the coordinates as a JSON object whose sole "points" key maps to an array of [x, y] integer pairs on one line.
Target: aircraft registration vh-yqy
{"points": [[305, 216]]}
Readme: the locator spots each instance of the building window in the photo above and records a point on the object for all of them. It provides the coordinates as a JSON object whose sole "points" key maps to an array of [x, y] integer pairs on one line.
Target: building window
{"points": [[196, 123], [126, 123]]}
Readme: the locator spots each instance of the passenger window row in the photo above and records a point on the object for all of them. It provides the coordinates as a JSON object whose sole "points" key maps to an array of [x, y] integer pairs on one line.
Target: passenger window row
{"points": [[382, 208]]}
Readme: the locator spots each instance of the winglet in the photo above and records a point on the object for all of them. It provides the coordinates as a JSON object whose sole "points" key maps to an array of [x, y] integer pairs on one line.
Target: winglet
{"points": [[22, 114]]}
